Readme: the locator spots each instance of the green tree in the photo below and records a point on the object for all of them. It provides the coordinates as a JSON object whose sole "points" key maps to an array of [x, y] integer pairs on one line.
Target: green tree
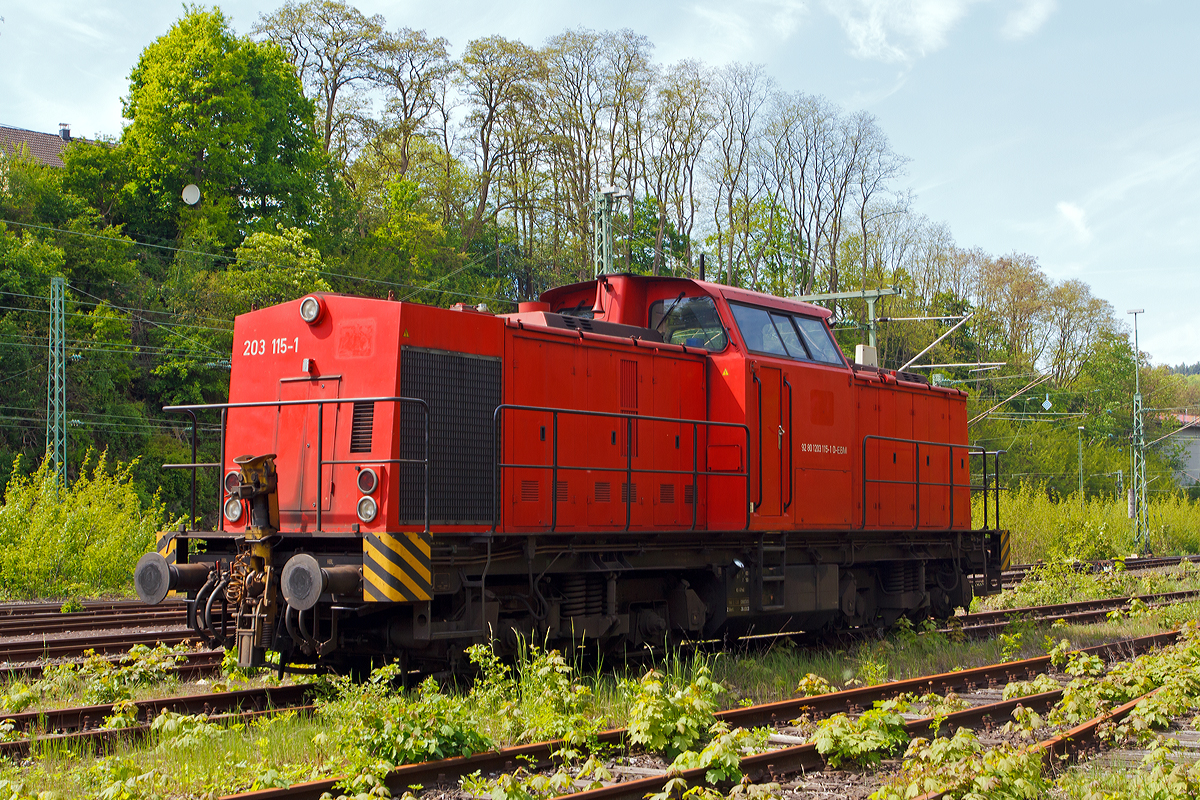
{"points": [[227, 114], [274, 268]]}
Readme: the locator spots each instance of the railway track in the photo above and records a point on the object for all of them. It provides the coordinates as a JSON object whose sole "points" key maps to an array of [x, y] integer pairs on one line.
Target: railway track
{"points": [[1017, 574], [982, 624], [83, 724], [16, 623], [197, 664], [986, 682], [25, 658]]}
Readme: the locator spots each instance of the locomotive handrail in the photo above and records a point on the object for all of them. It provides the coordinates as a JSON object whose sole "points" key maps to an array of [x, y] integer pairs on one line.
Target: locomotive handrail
{"points": [[628, 469], [790, 480], [760, 446], [916, 483], [320, 403]]}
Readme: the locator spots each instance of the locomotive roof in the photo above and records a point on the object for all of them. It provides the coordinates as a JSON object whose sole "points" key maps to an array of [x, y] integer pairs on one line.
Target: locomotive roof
{"points": [[716, 289]]}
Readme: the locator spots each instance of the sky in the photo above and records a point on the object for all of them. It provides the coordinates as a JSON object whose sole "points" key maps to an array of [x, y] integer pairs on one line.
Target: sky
{"points": [[1065, 129]]}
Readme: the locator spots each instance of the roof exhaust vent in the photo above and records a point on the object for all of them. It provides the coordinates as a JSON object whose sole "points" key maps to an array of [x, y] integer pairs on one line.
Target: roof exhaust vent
{"points": [[64, 131]]}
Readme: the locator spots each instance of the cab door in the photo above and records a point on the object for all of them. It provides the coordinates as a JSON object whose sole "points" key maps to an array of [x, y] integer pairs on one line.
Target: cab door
{"points": [[771, 434]]}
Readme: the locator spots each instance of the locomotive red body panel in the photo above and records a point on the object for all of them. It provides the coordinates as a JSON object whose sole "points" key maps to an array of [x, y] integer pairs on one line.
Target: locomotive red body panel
{"points": [[627, 459]]}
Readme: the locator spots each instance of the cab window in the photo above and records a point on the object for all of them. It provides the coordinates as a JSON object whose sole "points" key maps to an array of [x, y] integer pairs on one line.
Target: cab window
{"points": [[690, 321], [780, 333]]}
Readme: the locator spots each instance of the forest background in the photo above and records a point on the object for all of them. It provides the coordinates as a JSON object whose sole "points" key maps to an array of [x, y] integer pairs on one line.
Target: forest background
{"points": [[336, 152]]}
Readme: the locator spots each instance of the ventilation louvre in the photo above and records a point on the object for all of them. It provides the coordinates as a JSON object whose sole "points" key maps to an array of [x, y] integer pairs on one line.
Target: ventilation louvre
{"points": [[626, 491], [666, 493], [462, 392], [689, 494], [529, 491], [362, 427], [560, 491], [603, 492]]}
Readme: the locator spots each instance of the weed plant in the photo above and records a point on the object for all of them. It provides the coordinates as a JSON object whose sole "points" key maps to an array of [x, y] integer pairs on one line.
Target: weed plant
{"points": [[79, 540]]}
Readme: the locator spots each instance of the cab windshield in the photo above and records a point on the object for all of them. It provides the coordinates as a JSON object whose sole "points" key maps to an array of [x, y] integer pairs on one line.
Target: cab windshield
{"points": [[690, 321]]}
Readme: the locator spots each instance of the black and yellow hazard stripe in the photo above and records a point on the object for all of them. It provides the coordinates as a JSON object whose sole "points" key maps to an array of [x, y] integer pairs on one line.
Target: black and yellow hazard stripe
{"points": [[165, 545], [397, 567], [1005, 553]]}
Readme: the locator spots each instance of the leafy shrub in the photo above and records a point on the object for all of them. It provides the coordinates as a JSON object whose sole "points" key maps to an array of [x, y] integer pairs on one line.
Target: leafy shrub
{"points": [[722, 757], [544, 700], [811, 685], [82, 539], [666, 717], [863, 741], [377, 723], [961, 767], [1041, 684], [184, 731], [523, 785]]}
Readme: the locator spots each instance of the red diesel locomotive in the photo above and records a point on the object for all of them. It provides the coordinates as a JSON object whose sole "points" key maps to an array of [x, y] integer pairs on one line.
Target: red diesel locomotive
{"points": [[633, 460]]}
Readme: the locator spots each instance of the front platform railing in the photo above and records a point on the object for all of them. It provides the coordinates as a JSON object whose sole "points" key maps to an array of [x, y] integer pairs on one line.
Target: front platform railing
{"points": [[322, 462]]}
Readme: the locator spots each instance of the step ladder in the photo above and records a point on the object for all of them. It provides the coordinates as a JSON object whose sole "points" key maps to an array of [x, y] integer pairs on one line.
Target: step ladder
{"points": [[772, 571]]}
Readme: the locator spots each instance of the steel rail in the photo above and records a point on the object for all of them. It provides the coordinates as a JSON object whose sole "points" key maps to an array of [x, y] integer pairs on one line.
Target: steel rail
{"points": [[110, 643], [89, 606], [96, 737], [82, 723], [37, 624], [198, 663]]}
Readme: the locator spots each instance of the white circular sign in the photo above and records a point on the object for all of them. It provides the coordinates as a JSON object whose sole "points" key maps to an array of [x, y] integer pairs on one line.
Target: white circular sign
{"points": [[191, 194]]}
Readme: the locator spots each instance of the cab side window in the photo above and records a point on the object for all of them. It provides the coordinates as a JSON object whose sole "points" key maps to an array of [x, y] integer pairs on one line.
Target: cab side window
{"points": [[780, 333]]}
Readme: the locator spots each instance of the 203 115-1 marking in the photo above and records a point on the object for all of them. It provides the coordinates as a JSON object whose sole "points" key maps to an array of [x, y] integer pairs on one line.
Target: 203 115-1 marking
{"points": [[279, 347]]}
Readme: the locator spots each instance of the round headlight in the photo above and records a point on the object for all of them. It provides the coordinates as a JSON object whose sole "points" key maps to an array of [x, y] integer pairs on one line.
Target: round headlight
{"points": [[367, 509], [367, 480], [310, 309], [233, 509], [232, 481]]}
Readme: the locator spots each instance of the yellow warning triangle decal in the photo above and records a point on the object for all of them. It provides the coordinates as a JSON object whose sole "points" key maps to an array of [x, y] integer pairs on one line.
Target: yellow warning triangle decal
{"points": [[406, 333], [724, 372]]}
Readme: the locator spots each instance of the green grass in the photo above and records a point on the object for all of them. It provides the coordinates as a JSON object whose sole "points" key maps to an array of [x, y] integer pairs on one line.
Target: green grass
{"points": [[1045, 529]]}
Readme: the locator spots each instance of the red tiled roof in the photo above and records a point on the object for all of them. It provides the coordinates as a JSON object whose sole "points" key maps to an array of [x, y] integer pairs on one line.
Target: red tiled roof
{"points": [[45, 147]]}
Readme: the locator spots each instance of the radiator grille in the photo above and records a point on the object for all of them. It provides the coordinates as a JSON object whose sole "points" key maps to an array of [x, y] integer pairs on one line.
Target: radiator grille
{"points": [[362, 427], [463, 392]]}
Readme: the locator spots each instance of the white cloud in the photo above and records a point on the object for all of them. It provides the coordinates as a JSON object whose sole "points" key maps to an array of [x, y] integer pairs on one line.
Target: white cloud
{"points": [[738, 23], [1027, 18], [1076, 218], [897, 30]]}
